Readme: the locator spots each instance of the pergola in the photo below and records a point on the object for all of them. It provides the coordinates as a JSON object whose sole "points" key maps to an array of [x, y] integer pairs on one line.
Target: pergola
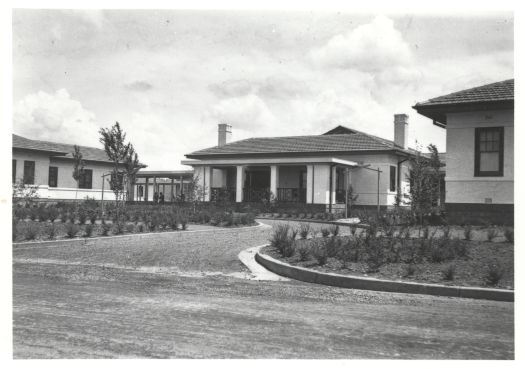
{"points": [[175, 181]]}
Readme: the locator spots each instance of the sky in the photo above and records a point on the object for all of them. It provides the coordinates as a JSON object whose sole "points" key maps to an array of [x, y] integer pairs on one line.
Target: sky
{"points": [[170, 76]]}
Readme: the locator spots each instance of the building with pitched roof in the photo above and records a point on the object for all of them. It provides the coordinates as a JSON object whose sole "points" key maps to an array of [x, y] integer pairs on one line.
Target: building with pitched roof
{"points": [[49, 165], [313, 169], [480, 151]]}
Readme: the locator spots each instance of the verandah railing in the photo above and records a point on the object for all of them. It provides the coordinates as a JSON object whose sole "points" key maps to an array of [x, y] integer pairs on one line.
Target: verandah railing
{"points": [[291, 194]]}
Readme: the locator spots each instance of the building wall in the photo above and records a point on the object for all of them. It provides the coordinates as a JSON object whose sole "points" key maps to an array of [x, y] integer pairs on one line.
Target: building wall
{"points": [[461, 185], [66, 186], [41, 165]]}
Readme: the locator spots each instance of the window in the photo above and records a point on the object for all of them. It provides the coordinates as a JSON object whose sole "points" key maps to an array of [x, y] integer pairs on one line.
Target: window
{"points": [[14, 171], [29, 172], [53, 177], [488, 161], [86, 178], [393, 178]]}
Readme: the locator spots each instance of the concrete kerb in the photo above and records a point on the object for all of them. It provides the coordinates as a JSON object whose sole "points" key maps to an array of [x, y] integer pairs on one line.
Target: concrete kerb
{"points": [[20, 245], [330, 222], [364, 283]]}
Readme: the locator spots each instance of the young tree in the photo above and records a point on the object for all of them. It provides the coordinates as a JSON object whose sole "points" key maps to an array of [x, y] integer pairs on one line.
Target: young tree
{"points": [[132, 166], [78, 167], [424, 180], [195, 192], [116, 148]]}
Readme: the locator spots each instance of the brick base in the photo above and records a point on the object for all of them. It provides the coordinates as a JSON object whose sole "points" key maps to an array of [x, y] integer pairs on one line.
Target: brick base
{"points": [[479, 214]]}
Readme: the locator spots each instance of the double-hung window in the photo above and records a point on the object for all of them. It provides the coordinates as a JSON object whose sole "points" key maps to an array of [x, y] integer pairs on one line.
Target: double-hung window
{"points": [[488, 161]]}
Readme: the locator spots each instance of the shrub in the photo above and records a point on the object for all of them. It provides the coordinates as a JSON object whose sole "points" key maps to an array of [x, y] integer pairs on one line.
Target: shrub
{"points": [[426, 232], [92, 216], [460, 248], [441, 251], [375, 252], [325, 232], [304, 231], [334, 230], [509, 234], [353, 230], [72, 217], [33, 213], [30, 231], [14, 229], [141, 227], [304, 252], [52, 213], [319, 252], [88, 230], [118, 227], [449, 271], [467, 233], [130, 227], [332, 246], [72, 230], [494, 273], [410, 270], [348, 250], [492, 232], [63, 217], [183, 222], [446, 232], [82, 216], [283, 241], [51, 231], [105, 229]]}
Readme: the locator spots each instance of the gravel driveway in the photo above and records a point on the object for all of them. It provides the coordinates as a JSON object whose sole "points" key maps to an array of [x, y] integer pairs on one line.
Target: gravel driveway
{"points": [[99, 300]]}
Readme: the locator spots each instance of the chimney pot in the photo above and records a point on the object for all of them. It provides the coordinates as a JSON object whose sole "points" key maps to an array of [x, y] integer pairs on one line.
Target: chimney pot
{"points": [[225, 134], [401, 130]]}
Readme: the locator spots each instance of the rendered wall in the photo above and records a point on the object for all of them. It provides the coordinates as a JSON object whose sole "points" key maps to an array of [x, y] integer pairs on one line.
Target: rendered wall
{"points": [[461, 184]]}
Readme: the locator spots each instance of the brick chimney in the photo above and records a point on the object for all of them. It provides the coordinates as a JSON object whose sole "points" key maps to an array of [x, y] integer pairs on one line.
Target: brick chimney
{"points": [[401, 130], [225, 134]]}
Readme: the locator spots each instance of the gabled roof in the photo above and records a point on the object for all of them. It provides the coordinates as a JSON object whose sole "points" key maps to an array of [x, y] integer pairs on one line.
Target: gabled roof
{"points": [[59, 149], [491, 96], [339, 139]]}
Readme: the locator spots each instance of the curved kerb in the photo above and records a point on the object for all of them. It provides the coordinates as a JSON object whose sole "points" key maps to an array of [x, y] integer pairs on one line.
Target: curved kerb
{"points": [[363, 283]]}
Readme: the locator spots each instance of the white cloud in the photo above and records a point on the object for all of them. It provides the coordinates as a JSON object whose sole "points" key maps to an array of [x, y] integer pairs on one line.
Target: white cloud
{"points": [[232, 88], [248, 112], [369, 47], [55, 117]]}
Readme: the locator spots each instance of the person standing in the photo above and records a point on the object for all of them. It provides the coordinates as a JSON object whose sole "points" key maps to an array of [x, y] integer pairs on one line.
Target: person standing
{"points": [[161, 198], [156, 197]]}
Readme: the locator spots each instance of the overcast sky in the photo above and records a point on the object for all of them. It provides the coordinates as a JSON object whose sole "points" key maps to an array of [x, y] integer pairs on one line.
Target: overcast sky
{"points": [[170, 76]]}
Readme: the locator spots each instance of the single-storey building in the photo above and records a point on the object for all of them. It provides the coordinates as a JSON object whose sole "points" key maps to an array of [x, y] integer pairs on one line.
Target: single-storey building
{"points": [[312, 169], [172, 184], [480, 151], [49, 165]]}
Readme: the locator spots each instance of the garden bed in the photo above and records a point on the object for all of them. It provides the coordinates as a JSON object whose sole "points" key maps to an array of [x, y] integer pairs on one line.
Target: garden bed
{"points": [[440, 260]]}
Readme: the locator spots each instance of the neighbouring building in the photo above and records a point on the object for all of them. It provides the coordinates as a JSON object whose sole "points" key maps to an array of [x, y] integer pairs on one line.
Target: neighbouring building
{"points": [[307, 169], [173, 185], [480, 151], [49, 165]]}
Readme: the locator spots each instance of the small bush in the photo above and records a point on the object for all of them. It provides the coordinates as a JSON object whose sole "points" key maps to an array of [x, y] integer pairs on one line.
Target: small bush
{"points": [[353, 230], [92, 216], [410, 270], [51, 231], [304, 252], [460, 247], [449, 271], [509, 235], [30, 231], [492, 233], [88, 230], [334, 230], [82, 216], [319, 252], [426, 232], [325, 232], [304, 231], [118, 227], [141, 227], [52, 213], [63, 217], [467, 233], [71, 230], [494, 273], [446, 232], [105, 229], [130, 227]]}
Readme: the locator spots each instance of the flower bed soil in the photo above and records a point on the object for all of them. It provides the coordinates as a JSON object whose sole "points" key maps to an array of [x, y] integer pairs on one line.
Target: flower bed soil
{"points": [[470, 271]]}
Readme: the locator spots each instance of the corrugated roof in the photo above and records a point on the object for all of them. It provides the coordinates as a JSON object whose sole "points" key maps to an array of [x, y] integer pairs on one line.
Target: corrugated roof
{"points": [[59, 149], [351, 142], [494, 92]]}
